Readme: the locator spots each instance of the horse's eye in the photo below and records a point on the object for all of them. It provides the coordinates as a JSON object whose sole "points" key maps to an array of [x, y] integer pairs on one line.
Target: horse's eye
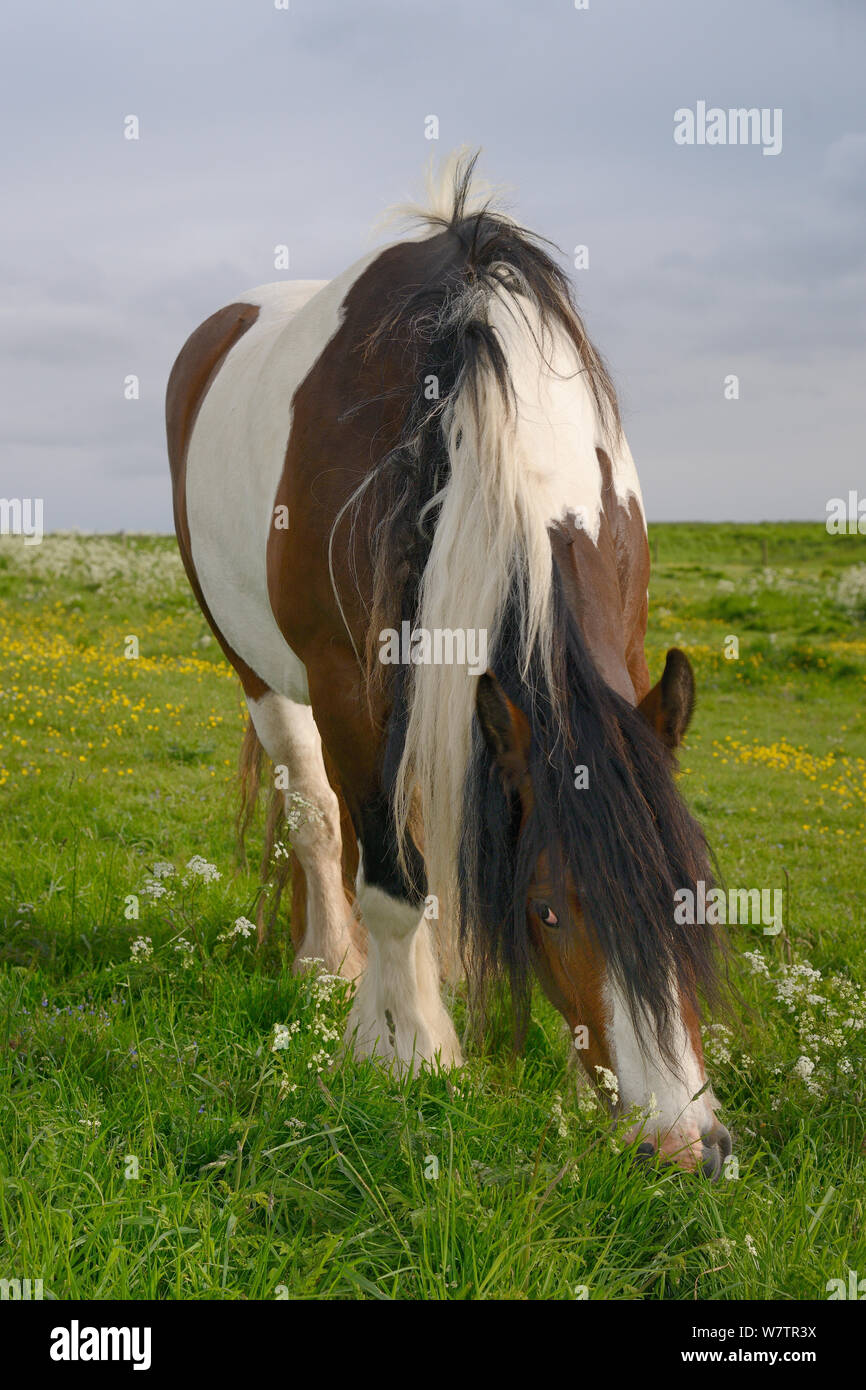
{"points": [[545, 913]]}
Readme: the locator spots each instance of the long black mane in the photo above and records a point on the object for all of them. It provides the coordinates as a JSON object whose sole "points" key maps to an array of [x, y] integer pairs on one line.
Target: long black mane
{"points": [[627, 838]]}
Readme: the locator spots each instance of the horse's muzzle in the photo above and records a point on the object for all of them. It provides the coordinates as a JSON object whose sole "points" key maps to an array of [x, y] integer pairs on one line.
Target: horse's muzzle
{"points": [[716, 1146]]}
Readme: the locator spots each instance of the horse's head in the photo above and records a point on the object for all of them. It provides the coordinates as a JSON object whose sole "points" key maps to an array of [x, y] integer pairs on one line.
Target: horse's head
{"points": [[630, 1007]]}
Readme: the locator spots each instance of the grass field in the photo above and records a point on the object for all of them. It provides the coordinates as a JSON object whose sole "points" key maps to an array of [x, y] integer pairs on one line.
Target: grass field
{"points": [[156, 1145]]}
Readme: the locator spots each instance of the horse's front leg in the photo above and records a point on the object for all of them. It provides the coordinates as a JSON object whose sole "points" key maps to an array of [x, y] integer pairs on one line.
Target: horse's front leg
{"points": [[398, 1013]]}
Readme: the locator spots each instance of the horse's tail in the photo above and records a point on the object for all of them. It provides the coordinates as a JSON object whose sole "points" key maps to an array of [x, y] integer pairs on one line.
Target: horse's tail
{"points": [[249, 777]]}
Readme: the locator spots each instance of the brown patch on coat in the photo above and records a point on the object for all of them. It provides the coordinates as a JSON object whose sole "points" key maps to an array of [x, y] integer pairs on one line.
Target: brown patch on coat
{"points": [[605, 584]]}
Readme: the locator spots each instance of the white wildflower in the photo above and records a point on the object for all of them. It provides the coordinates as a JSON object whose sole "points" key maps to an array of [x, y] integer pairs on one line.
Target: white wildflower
{"points": [[586, 1102], [283, 1034], [804, 1067], [557, 1115], [200, 868], [607, 1082], [323, 986], [851, 591], [757, 962], [186, 950], [652, 1110], [717, 1044], [300, 812]]}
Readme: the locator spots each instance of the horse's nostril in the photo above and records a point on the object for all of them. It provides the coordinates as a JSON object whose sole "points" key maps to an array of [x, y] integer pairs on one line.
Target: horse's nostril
{"points": [[719, 1137], [646, 1149], [717, 1146], [711, 1161]]}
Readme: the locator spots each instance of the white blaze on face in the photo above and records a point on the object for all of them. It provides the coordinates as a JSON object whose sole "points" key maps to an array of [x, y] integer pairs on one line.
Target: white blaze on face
{"points": [[672, 1118]]}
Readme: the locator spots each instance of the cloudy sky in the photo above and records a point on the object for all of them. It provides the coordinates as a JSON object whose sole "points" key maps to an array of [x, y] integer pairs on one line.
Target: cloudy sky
{"points": [[261, 126]]}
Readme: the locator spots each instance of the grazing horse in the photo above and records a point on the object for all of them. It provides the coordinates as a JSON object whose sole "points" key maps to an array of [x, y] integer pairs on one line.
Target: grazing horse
{"points": [[408, 511]]}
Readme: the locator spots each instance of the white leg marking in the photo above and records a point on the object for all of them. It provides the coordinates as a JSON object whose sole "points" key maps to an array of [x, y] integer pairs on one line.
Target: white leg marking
{"points": [[398, 1011], [288, 734]]}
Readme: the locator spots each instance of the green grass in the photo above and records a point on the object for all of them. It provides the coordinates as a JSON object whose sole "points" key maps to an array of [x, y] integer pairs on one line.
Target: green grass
{"points": [[153, 1145]]}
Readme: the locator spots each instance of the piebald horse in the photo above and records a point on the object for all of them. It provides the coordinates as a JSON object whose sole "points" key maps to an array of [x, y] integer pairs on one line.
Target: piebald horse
{"points": [[428, 447]]}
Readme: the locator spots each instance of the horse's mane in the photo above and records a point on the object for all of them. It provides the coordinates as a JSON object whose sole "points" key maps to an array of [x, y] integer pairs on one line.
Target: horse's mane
{"points": [[458, 541], [627, 839], [444, 325]]}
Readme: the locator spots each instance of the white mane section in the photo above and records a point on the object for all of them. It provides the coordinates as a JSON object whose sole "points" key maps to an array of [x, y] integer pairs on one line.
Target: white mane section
{"points": [[437, 204], [512, 474]]}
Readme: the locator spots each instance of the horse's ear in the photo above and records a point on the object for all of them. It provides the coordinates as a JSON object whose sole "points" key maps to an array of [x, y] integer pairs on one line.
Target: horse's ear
{"points": [[669, 705], [505, 729]]}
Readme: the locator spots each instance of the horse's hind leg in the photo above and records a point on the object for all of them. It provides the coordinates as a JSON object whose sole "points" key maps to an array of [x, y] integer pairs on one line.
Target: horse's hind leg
{"points": [[288, 734]]}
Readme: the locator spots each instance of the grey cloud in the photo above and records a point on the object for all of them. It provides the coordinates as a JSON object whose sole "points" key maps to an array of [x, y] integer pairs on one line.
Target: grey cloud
{"points": [[261, 127]]}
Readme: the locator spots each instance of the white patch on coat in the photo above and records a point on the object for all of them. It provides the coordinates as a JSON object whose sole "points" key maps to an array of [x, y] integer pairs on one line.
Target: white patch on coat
{"points": [[235, 461], [557, 430]]}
